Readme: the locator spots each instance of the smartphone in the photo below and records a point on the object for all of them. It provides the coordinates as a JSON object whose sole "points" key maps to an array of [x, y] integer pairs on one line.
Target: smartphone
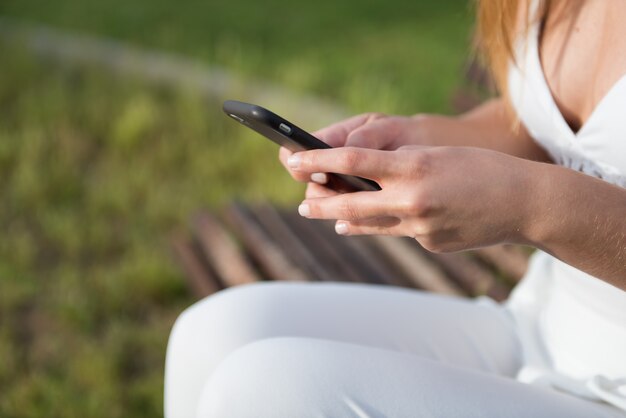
{"points": [[288, 135]]}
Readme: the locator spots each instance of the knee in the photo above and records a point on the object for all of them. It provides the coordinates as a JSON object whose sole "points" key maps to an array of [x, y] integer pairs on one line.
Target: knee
{"points": [[230, 312], [266, 378], [216, 325], [203, 335]]}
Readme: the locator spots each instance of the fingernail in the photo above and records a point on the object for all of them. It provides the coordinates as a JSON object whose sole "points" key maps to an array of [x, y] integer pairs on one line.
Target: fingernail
{"points": [[341, 228], [304, 210], [294, 161], [319, 178]]}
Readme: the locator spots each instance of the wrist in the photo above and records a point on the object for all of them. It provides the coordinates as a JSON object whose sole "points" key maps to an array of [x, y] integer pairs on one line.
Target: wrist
{"points": [[538, 203]]}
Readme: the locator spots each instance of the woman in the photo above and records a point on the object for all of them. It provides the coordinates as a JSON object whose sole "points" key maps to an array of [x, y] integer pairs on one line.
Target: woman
{"points": [[556, 348]]}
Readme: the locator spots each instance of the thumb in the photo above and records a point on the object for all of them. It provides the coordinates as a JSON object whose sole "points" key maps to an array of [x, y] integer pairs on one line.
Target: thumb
{"points": [[378, 134], [337, 134]]}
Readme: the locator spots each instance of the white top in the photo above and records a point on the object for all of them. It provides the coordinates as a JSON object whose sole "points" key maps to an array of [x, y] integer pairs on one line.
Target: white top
{"points": [[573, 325]]}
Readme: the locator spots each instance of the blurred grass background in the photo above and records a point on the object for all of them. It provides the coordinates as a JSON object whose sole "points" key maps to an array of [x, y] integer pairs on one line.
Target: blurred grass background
{"points": [[400, 56], [97, 169]]}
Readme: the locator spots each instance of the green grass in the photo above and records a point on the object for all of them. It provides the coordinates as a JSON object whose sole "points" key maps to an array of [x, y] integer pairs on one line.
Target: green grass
{"points": [[96, 171], [404, 56]]}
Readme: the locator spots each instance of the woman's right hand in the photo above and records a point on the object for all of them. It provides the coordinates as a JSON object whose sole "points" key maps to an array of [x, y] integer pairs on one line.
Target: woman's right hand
{"points": [[368, 130]]}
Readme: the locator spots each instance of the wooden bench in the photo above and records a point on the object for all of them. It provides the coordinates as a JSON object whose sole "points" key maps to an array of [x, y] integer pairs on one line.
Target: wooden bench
{"points": [[250, 243]]}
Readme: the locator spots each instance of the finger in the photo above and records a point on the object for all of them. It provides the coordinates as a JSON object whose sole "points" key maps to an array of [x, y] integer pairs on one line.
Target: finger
{"points": [[336, 134], [413, 147], [319, 178], [385, 225], [314, 191], [283, 156], [371, 164], [348, 206], [378, 134]]}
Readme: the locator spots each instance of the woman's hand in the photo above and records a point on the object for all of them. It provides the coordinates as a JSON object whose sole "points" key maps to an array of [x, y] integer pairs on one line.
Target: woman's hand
{"points": [[369, 130], [447, 198], [486, 126]]}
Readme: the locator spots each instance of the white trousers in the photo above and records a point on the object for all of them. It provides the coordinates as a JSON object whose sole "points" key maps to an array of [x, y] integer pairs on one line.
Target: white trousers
{"points": [[287, 350]]}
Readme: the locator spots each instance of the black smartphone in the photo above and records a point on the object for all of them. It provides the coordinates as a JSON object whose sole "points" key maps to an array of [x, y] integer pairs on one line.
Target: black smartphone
{"points": [[288, 135]]}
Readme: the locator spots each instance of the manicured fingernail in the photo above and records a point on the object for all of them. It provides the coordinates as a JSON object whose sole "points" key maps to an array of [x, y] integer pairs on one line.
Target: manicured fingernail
{"points": [[294, 161], [341, 228], [319, 178], [304, 210]]}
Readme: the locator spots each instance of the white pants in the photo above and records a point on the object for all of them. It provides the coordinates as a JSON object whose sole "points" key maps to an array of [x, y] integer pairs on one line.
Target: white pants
{"points": [[286, 350]]}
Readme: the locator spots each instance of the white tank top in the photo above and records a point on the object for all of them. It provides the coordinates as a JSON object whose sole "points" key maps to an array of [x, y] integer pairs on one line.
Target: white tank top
{"points": [[572, 325]]}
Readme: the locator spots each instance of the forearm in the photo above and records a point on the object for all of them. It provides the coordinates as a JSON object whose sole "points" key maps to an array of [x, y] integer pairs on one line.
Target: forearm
{"points": [[486, 126], [580, 220]]}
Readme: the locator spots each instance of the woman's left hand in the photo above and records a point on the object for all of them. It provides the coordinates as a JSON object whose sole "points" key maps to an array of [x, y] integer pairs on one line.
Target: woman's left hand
{"points": [[447, 198]]}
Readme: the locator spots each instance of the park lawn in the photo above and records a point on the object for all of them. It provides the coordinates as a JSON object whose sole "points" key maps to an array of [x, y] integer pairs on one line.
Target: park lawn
{"points": [[96, 172], [402, 56]]}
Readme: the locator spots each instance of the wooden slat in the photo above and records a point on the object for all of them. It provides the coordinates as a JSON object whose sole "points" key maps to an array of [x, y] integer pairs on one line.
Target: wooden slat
{"points": [[478, 85], [200, 280], [421, 270], [478, 75], [324, 250], [367, 264], [290, 242], [510, 260], [395, 274], [370, 265], [270, 257], [474, 278], [288, 247], [222, 252]]}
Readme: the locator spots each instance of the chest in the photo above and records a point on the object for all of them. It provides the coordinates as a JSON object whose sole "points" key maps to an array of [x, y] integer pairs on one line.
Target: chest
{"points": [[582, 49]]}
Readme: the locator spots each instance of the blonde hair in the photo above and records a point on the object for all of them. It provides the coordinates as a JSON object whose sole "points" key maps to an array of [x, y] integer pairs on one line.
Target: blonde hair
{"points": [[499, 22]]}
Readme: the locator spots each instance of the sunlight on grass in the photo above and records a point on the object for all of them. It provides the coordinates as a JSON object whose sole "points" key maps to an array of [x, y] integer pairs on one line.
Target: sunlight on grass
{"points": [[332, 48], [96, 174], [97, 171]]}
